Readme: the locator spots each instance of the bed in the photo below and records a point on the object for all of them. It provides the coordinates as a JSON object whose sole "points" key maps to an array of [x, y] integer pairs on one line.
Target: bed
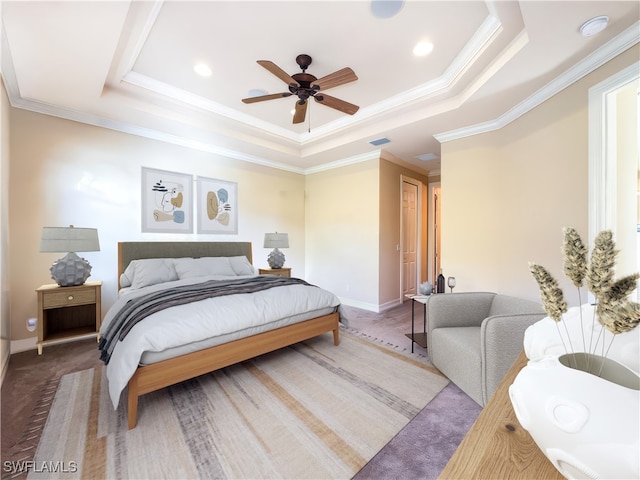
{"points": [[144, 362]]}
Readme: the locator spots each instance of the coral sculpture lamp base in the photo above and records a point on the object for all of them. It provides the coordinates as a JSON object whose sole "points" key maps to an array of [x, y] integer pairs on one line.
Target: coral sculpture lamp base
{"points": [[275, 259], [70, 270]]}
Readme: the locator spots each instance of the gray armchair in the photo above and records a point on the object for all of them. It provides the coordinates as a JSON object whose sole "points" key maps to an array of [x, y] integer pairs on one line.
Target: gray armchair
{"points": [[474, 337]]}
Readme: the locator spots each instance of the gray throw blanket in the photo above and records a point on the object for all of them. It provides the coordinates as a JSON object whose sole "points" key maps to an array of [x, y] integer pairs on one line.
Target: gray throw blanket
{"points": [[141, 307]]}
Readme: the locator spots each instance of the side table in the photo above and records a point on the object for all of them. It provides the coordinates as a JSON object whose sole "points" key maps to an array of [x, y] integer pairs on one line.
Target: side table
{"points": [[421, 336], [280, 272], [66, 313]]}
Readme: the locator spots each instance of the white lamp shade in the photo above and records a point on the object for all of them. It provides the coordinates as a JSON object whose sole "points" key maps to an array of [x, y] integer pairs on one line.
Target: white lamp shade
{"points": [[69, 239], [276, 240], [70, 270]]}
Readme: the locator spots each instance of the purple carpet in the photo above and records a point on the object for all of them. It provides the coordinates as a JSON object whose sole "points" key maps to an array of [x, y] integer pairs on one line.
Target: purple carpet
{"points": [[422, 449]]}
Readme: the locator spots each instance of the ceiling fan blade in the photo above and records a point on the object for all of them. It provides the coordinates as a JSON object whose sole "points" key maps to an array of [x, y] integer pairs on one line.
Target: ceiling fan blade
{"points": [[278, 72], [262, 98], [344, 107], [301, 111], [335, 79]]}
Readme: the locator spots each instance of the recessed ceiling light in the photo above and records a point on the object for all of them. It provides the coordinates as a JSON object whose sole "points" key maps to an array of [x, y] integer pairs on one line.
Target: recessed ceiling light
{"points": [[202, 69], [427, 156], [422, 48], [594, 25]]}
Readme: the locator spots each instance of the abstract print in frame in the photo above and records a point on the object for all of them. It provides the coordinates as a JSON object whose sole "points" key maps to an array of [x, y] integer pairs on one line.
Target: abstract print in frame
{"points": [[217, 206], [167, 201]]}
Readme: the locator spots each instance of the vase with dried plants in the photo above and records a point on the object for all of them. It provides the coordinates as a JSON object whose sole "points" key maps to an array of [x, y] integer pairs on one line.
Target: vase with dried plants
{"points": [[579, 394], [614, 310]]}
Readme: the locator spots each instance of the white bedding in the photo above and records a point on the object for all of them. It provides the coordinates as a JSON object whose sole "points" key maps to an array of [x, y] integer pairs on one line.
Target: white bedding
{"points": [[187, 324]]}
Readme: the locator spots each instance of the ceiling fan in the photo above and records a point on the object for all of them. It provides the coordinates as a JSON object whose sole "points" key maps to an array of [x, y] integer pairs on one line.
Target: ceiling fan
{"points": [[305, 85]]}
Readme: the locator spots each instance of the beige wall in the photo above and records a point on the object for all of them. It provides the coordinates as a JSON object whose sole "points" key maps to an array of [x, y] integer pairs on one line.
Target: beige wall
{"points": [[508, 194], [5, 331], [353, 230], [342, 225], [63, 172]]}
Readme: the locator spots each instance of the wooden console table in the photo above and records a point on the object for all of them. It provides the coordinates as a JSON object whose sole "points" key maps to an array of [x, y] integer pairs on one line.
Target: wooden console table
{"points": [[497, 446]]}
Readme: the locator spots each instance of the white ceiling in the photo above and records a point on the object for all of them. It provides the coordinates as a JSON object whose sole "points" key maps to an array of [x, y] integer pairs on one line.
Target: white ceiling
{"points": [[129, 66]]}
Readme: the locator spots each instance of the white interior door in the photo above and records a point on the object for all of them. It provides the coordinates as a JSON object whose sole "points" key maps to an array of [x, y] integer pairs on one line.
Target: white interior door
{"points": [[409, 238]]}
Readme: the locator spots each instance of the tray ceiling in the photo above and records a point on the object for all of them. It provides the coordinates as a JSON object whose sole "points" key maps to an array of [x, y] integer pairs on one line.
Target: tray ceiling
{"points": [[130, 66]]}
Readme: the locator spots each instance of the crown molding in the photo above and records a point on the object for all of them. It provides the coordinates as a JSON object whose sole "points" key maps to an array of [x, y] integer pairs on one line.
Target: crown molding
{"points": [[472, 50], [489, 30], [486, 34], [610, 50], [89, 119], [197, 101], [364, 157], [81, 117]]}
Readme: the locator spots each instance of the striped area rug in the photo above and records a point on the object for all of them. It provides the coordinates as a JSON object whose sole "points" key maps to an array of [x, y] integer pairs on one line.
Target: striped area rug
{"points": [[312, 410]]}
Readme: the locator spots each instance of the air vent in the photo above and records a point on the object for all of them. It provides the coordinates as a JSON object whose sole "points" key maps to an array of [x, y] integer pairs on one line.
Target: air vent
{"points": [[380, 141]]}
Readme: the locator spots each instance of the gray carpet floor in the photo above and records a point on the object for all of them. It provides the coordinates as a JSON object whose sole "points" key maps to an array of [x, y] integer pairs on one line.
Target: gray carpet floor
{"points": [[422, 449]]}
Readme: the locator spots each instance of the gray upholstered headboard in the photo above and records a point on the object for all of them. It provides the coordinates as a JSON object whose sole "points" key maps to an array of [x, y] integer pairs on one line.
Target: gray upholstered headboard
{"points": [[128, 251]]}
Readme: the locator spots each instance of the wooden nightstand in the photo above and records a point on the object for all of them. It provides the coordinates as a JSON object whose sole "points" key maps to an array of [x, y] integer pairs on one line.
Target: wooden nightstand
{"points": [[66, 313], [280, 272]]}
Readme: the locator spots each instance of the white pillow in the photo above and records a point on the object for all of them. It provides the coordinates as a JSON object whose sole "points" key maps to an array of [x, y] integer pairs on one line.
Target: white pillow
{"points": [[148, 271], [124, 281], [241, 265], [201, 267]]}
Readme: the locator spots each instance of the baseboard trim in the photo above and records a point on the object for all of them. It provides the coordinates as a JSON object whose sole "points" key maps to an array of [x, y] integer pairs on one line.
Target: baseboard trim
{"points": [[5, 363], [370, 306], [24, 345], [355, 303], [389, 305]]}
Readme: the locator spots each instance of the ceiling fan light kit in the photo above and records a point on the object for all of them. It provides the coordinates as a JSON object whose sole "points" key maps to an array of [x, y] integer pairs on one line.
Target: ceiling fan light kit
{"points": [[304, 85]]}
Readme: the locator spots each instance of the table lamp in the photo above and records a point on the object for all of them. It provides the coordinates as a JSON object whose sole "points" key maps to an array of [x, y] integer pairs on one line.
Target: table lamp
{"points": [[276, 241], [70, 270]]}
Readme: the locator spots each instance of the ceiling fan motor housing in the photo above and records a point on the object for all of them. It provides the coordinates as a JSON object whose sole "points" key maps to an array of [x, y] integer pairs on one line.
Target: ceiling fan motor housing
{"points": [[303, 90]]}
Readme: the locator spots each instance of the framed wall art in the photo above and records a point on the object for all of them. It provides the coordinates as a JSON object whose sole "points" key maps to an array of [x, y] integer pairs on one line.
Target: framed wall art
{"points": [[217, 206], [167, 201]]}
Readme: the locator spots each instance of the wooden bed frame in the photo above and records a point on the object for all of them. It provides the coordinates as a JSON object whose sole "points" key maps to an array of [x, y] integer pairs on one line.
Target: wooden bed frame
{"points": [[149, 378]]}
